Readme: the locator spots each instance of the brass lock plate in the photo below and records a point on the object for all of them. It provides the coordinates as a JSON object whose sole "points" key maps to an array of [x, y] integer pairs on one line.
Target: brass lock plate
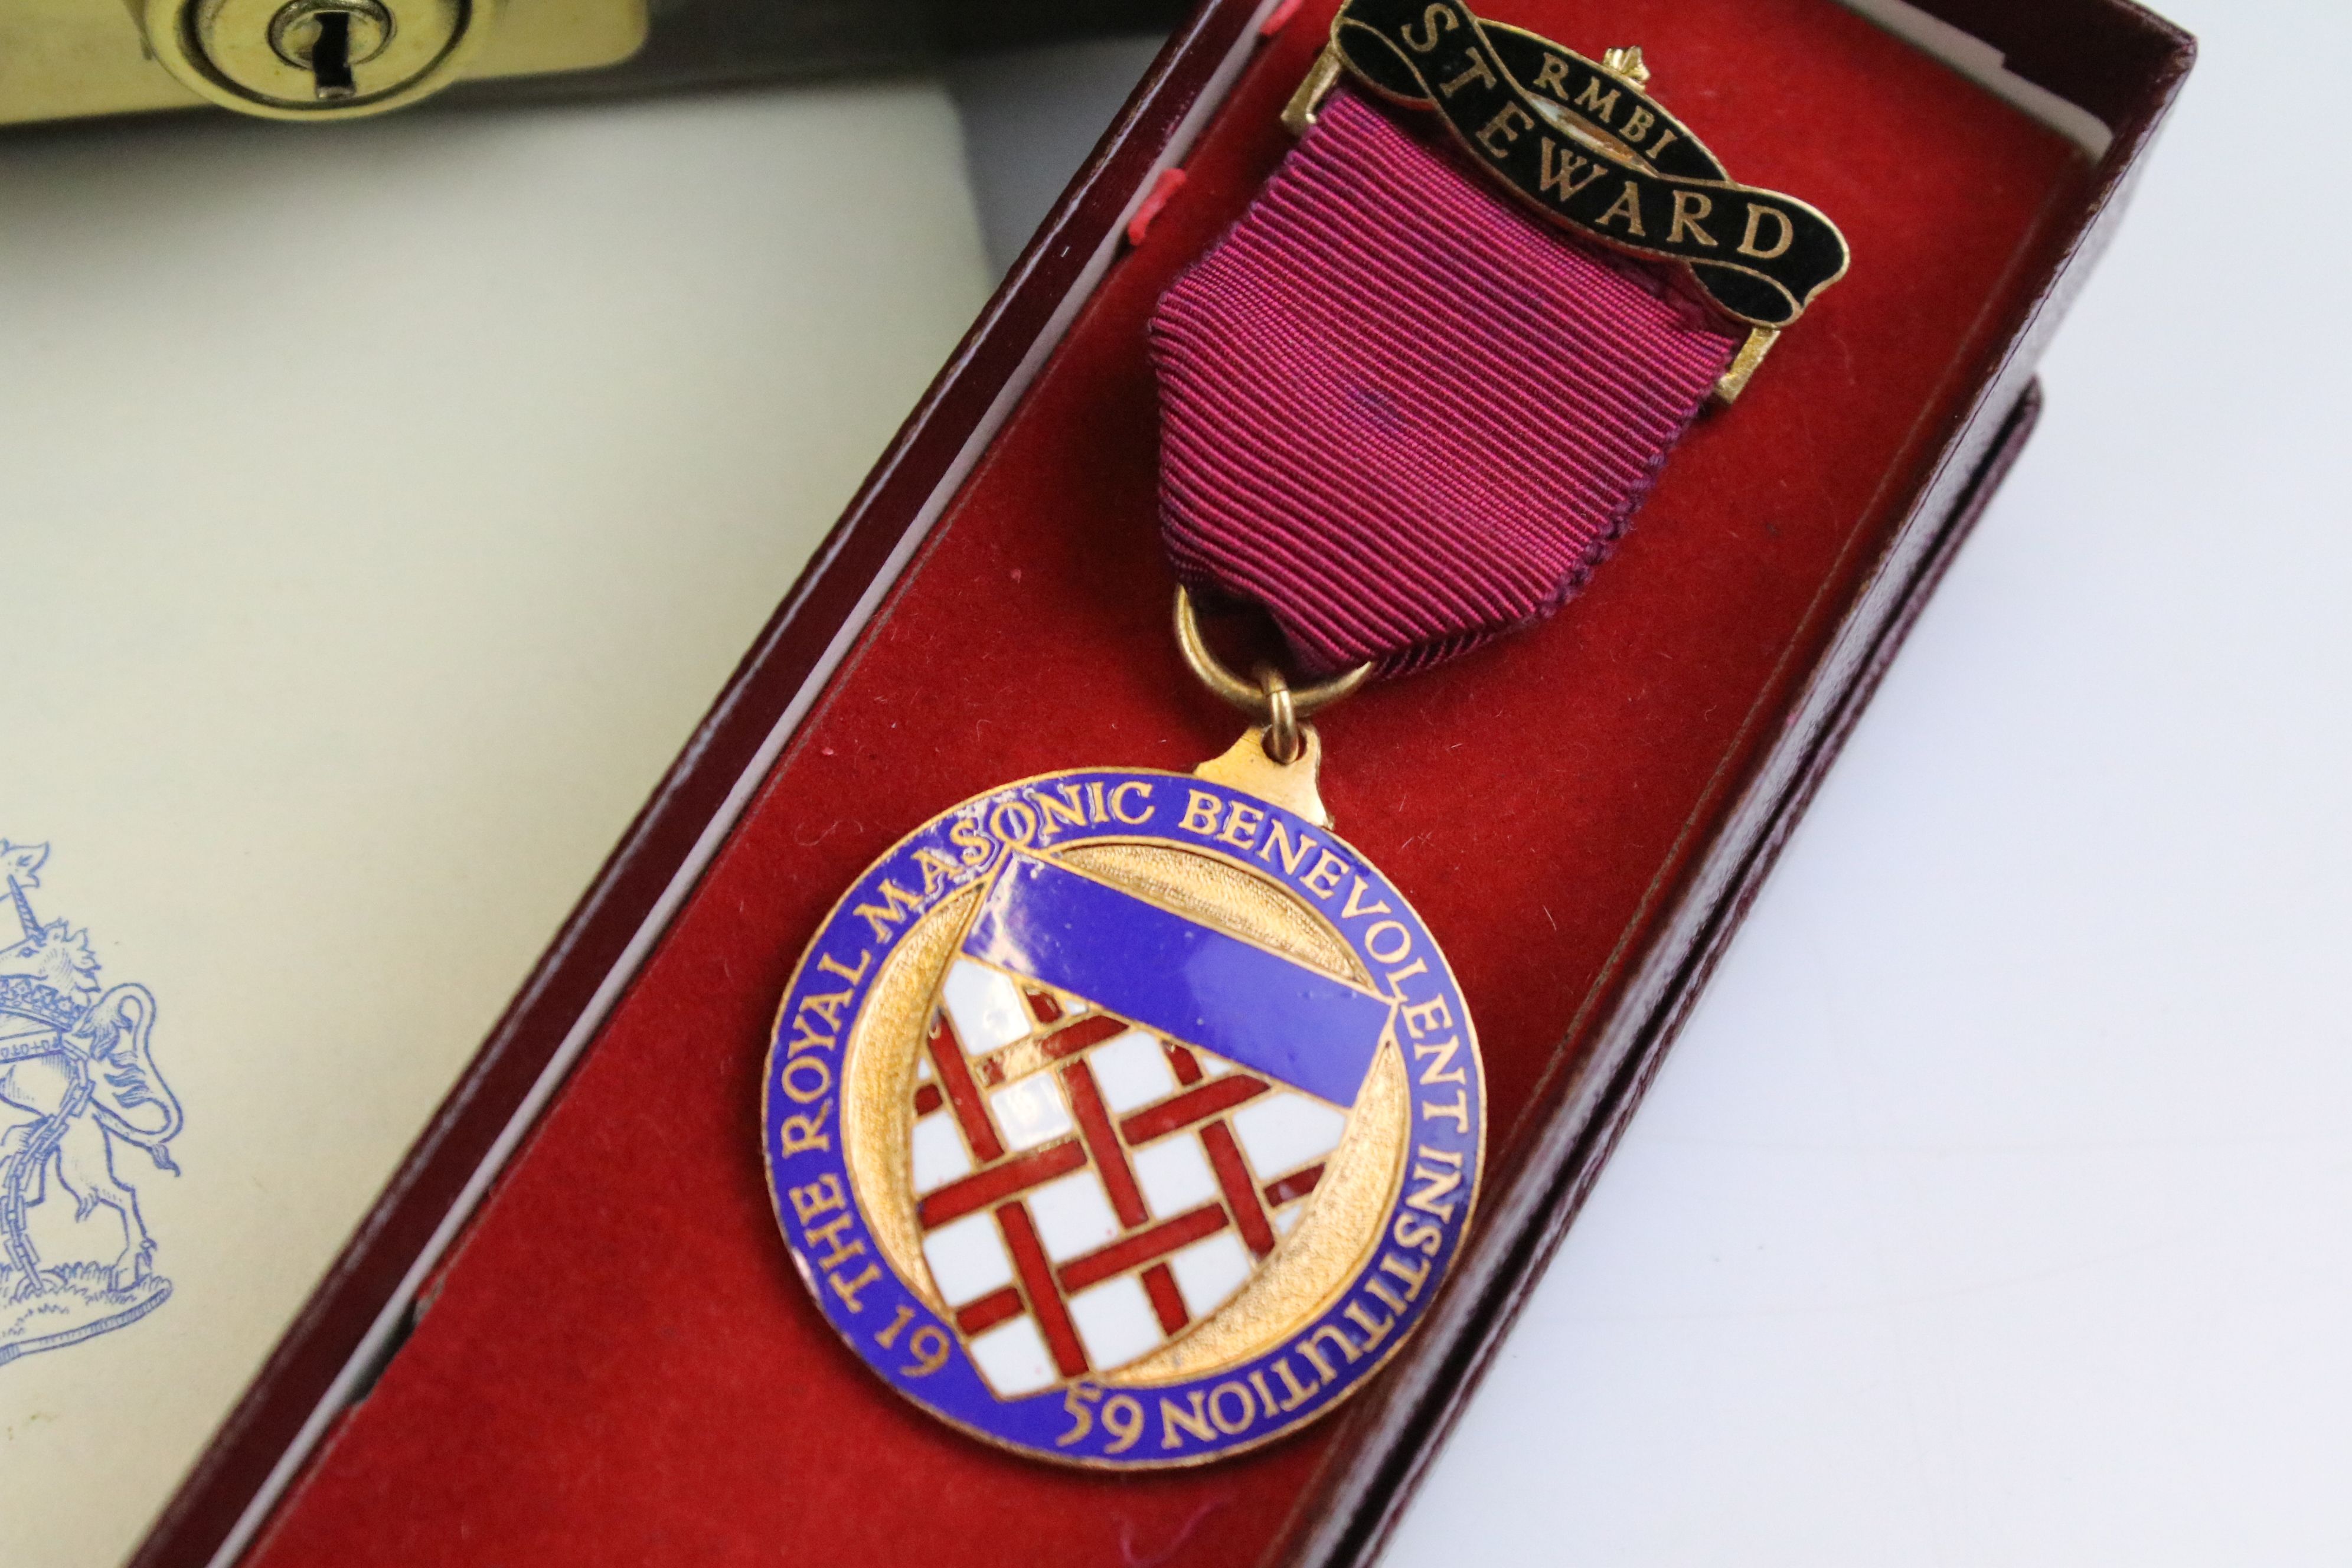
{"points": [[69, 60]]}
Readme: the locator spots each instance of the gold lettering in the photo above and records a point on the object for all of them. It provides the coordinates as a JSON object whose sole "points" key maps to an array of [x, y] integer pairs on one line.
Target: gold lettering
{"points": [[1293, 855], [1119, 803], [978, 847], [1074, 1404], [1477, 70], [1627, 205], [1202, 812], [939, 871], [1324, 880], [800, 1134], [1236, 1426], [806, 1039], [1194, 1420], [1551, 76], [1070, 809], [929, 1346], [1418, 1234], [1501, 126], [1756, 217], [1388, 1298], [896, 905], [889, 1336], [1434, 20], [1299, 1395], [1637, 124], [1242, 823], [1338, 1337], [1560, 177], [1414, 1275], [1374, 1332], [795, 1068], [1356, 906], [1689, 207], [828, 1236], [1437, 1071], [1403, 942], [1004, 812], [1592, 103], [1397, 977], [824, 961], [1123, 1419], [820, 1196], [1421, 1017], [1431, 1199], [847, 1289], [1659, 144], [1458, 1112]]}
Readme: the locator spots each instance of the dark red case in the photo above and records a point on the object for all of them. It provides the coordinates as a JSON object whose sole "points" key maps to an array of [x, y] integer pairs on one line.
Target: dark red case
{"points": [[603, 1354]]}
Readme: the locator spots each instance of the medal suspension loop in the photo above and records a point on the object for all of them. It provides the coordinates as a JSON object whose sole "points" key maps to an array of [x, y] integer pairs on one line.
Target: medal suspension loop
{"points": [[1270, 699]]}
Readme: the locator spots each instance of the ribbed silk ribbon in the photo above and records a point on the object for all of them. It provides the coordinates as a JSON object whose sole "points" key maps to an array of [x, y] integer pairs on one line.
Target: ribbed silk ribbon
{"points": [[1400, 414]]}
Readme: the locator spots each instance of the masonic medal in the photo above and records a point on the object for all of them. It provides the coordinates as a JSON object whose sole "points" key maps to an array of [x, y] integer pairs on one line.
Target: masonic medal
{"points": [[1124, 1117], [1133, 1119]]}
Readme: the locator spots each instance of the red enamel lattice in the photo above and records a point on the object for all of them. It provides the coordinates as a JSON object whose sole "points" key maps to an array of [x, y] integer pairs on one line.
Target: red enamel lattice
{"points": [[1107, 1118]]}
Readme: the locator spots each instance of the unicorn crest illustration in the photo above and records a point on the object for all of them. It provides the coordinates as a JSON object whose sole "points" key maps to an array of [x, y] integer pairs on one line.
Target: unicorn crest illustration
{"points": [[78, 1082]]}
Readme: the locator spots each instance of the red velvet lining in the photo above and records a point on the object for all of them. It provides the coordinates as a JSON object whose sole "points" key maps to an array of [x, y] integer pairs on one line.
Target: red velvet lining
{"points": [[620, 1366]]}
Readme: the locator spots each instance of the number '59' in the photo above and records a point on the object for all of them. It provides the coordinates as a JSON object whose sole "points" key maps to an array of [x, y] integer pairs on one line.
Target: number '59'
{"points": [[1122, 1417]]}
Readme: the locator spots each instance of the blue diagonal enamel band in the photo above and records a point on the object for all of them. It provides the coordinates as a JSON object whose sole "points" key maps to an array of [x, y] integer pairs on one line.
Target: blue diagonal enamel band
{"points": [[1183, 979]]}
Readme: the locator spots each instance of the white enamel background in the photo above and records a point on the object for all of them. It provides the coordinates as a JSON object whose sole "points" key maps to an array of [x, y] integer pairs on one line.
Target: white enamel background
{"points": [[1073, 1215], [968, 1259], [1013, 1357], [1115, 1321], [1131, 1071], [1175, 1175], [1280, 1133]]}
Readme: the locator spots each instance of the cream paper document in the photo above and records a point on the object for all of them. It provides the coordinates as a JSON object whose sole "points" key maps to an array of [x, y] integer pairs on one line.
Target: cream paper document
{"points": [[380, 509]]}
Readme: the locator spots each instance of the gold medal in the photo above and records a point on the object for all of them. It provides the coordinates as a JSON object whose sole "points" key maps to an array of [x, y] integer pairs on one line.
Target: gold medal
{"points": [[1127, 1117]]}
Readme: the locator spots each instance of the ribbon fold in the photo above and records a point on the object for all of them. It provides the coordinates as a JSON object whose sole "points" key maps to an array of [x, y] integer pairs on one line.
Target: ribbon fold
{"points": [[1402, 414]]}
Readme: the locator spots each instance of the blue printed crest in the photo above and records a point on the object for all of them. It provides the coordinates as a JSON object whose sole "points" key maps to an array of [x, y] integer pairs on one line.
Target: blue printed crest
{"points": [[78, 1090]]}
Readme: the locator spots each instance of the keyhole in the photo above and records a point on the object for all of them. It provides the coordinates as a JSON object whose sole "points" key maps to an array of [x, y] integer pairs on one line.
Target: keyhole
{"points": [[331, 56], [327, 38]]}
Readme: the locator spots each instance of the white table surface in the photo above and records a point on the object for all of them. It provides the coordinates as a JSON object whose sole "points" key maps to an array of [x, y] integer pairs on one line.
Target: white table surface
{"points": [[1996, 1207]]}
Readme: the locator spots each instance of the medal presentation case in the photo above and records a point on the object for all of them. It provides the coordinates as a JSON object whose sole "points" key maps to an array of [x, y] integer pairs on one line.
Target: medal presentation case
{"points": [[570, 1331]]}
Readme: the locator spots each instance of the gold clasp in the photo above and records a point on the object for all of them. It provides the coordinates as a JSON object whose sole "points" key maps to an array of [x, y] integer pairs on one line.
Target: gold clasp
{"points": [[1623, 62], [1321, 78], [1735, 377]]}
